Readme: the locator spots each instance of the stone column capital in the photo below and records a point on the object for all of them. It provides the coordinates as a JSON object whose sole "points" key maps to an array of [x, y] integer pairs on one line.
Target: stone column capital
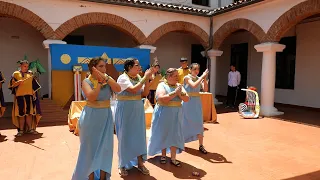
{"points": [[269, 47], [152, 48], [213, 53], [47, 42]]}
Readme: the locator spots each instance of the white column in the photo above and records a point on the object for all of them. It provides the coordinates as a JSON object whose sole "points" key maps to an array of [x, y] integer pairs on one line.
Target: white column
{"points": [[46, 44], [213, 54], [152, 48], [268, 76]]}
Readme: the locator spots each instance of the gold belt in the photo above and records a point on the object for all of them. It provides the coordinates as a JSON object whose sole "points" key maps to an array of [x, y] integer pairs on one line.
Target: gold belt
{"points": [[129, 98], [193, 94], [170, 104], [98, 104]]}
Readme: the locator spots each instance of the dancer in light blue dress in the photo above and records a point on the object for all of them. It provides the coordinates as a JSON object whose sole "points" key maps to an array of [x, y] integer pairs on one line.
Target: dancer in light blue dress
{"points": [[167, 118], [130, 118], [96, 125], [192, 110]]}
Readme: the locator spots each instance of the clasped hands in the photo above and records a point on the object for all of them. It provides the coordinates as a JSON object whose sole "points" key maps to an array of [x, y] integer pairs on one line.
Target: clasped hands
{"points": [[100, 76]]}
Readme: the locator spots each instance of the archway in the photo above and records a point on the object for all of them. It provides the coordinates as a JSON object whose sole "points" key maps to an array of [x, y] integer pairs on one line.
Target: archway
{"points": [[100, 19], [94, 29], [178, 39], [179, 26], [234, 25], [298, 29], [291, 18], [13, 10], [236, 38], [22, 33]]}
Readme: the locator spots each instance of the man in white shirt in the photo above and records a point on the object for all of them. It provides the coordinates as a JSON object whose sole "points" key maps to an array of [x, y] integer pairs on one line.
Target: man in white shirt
{"points": [[234, 79]]}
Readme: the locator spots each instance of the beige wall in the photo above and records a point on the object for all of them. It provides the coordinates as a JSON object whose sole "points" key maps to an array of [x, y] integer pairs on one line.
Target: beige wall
{"points": [[171, 47], [13, 50], [307, 86], [104, 36]]}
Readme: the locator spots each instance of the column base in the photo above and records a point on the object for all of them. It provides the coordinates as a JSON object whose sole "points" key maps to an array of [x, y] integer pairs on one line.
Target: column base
{"points": [[270, 111], [216, 102]]}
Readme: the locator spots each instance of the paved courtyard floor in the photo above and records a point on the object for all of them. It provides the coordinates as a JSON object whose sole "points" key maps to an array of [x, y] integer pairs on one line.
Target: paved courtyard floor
{"points": [[240, 149]]}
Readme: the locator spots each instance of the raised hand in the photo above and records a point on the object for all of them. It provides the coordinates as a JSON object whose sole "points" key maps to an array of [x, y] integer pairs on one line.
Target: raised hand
{"points": [[148, 73], [205, 73]]}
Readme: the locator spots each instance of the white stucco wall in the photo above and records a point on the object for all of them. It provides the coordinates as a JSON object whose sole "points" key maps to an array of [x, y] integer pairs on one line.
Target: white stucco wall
{"points": [[56, 12], [306, 91], [13, 50], [264, 13]]}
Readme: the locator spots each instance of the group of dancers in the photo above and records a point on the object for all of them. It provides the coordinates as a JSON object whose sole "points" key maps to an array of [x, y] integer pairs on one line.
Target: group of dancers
{"points": [[177, 117], [24, 87]]}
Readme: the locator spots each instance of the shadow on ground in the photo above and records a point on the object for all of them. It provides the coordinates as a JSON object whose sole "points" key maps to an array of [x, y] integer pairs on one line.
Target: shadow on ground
{"points": [[210, 157], [310, 176], [183, 172], [29, 139]]}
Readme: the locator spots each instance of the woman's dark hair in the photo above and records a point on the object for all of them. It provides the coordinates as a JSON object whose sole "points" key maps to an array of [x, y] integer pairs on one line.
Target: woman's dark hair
{"points": [[193, 65], [94, 62], [129, 63], [170, 71]]}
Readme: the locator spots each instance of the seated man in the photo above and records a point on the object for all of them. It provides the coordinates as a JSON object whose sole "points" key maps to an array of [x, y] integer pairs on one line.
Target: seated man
{"points": [[251, 107]]}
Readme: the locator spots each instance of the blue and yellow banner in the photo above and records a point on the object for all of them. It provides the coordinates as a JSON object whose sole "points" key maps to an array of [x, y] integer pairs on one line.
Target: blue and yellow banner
{"points": [[65, 56]]}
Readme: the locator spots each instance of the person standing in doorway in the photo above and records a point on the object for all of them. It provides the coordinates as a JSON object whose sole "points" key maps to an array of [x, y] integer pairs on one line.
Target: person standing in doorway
{"points": [[234, 78], [183, 70]]}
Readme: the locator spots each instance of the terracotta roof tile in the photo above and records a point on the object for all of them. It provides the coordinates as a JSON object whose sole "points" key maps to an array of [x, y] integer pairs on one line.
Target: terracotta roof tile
{"points": [[179, 7]]}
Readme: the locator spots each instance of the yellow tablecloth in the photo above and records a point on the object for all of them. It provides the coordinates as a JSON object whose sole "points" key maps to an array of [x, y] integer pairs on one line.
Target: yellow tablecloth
{"points": [[74, 114], [209, 111], [208, 108]]}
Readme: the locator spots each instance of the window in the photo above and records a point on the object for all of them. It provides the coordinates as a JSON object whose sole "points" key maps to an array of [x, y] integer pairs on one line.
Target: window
{"points": [[286, 64], [201, 2]]}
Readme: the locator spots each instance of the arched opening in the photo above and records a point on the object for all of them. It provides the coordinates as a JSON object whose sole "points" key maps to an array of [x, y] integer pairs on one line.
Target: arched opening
{"points": [[91, 35], [298, 64], [18, 39], [236, 39], [22, 33], [179, 39], [100, 19]]}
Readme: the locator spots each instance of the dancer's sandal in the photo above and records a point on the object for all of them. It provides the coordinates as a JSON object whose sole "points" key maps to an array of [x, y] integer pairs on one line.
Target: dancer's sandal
{"points": [[143, 170], [176, 163], [20, 133], [163, 160], [32, 131], [123, 172], [202, 149]]}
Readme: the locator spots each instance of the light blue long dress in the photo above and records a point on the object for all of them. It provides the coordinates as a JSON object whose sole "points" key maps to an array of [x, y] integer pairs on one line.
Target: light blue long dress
{"points": [[192, 114], [130, 126], [166, 127], [96, 139]]}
